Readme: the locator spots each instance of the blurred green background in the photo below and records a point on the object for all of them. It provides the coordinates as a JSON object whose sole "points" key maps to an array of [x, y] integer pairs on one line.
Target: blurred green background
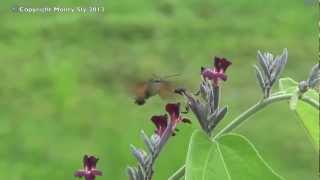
{"points": [[64, 79]]}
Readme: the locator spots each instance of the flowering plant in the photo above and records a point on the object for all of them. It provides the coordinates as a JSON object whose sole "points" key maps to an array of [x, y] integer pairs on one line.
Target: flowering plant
{"points": [[223, 155]]}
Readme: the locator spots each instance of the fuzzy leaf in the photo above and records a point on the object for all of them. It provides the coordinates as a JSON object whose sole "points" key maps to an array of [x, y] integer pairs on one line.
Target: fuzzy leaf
{"points": [[155, 139], [199, 110], [147, 141], [294, 101], [281, 63], [140, 173], [275, 63], [204, 90], [308, 114], [288, 85], [220, 115], [314, 77], [263, 63], [222, 112], [229, 157], [314, 74], [132, 173], [315, 83], [260, 78], [138, 154], [276, 73], [310, 117]]}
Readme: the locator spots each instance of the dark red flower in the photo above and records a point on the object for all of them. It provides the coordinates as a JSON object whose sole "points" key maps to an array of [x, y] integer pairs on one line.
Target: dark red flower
{"points": [[89, 171], [221, 64], [161, 123], [217, 72], [175, 114], [174, 111]]}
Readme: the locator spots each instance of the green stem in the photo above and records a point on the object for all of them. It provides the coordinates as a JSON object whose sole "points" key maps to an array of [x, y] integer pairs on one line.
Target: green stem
{"points": [[178, 174], [257, 107], [246, 115]]}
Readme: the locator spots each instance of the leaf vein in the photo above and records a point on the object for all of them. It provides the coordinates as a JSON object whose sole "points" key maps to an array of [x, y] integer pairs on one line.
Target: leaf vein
{"points": [[206, 163], [224, 163]]}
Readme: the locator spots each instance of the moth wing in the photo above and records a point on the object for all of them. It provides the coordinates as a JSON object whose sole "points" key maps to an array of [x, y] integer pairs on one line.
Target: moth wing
{"points": [[139, 89], [166, 90]]}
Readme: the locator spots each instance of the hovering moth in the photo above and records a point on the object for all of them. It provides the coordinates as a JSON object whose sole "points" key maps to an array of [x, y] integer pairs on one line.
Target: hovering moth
{"points": [[152, 87]]}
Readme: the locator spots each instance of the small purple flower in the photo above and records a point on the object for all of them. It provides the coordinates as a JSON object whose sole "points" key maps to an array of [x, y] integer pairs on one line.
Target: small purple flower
{"points": [[217, 72], [175, 114], [162, 122], [89, 171]]}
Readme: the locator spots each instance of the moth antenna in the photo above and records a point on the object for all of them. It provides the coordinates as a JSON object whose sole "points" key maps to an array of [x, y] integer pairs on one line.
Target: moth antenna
{"points": [[170, 76], [155, 76]]}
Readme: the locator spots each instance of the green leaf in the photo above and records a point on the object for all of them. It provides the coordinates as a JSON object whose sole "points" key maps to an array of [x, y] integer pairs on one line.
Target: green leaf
{"points": [[308, 114], [310, 117], [312, 94], [288, 85], [294, 101], [229, 157]]}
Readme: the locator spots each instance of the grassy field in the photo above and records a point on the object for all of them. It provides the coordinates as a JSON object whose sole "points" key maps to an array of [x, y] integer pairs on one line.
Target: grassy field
{"points": [[64, 79]]}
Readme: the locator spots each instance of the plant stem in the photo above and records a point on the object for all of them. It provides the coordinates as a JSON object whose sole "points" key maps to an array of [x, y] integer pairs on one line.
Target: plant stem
{"points": [[246, 115], [257, 107], [178, 174]]}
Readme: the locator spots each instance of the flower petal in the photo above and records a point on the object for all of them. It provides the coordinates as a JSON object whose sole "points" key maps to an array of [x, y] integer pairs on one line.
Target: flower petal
{"points": [[80, 173], [173, 109], [96, 172], [221, 63], [208, 73], [161, 123], [91, 162], [85, 160]]}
